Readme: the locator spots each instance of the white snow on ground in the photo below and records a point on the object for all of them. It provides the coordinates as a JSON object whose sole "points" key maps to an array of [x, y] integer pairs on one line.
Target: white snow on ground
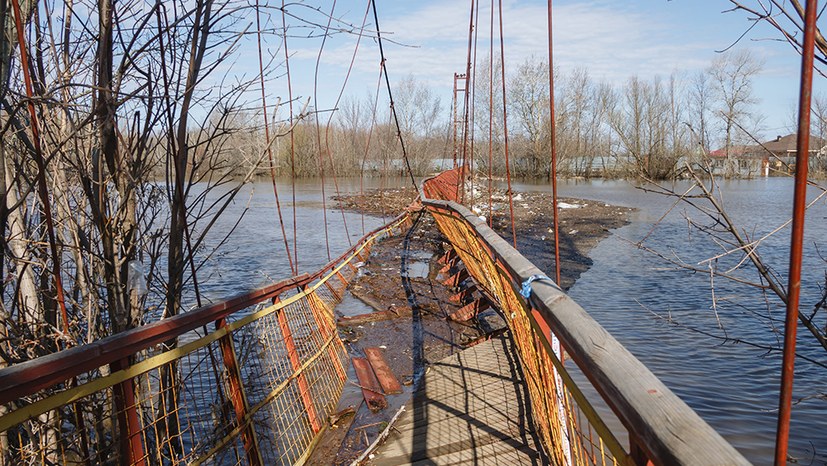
{"points": [[566, 205]]}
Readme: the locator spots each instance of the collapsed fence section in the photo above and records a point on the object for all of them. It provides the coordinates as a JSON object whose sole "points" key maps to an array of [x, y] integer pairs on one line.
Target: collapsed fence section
{"points": [[545, 324], [249, 380]]}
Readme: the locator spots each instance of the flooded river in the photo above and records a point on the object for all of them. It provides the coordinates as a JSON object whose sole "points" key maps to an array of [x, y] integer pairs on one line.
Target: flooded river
{"points": [[732, 384]]}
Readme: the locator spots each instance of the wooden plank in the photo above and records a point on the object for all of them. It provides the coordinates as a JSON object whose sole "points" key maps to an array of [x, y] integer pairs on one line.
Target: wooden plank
{"points": [[390, 384], [371, 390]]}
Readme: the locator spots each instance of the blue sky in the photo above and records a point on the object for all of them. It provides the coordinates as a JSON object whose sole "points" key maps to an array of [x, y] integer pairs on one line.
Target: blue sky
{"points": [[612, 39]]}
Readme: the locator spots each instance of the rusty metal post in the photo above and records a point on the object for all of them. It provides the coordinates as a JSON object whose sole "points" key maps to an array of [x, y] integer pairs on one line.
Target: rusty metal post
{"points": [[797, 237], [333, 290], [327, 330], [553, 135], [237, 396], [454, 122], [295, 363], [131, 443]]}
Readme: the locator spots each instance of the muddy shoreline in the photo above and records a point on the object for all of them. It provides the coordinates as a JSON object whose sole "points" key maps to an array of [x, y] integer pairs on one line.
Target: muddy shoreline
{"points": [[583, 223]]}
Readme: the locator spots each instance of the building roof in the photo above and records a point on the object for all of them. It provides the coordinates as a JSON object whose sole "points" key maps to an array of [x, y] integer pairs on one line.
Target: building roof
{"points": [[780, 146], [783, 144]]}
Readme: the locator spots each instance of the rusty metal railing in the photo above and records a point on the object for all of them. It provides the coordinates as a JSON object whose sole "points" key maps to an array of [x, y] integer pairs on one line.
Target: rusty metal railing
{"points": [[661, 429], [249, 380]]}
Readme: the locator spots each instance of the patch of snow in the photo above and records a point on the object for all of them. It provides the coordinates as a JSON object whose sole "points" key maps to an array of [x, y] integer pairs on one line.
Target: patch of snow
{"points": [[566, 205], [573, 232]]}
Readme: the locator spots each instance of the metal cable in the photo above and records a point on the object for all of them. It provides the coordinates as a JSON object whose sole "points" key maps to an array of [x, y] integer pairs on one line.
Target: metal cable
{"points": [[390, 96]]}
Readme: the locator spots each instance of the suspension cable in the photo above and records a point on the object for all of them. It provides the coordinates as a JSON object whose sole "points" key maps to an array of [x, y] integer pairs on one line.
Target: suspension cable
{"points": [[465, 105], [267, 141], [491, 120], [318, 128], [553, 136], [330, 120], [505, 130], [292, 136], [390, 96]]}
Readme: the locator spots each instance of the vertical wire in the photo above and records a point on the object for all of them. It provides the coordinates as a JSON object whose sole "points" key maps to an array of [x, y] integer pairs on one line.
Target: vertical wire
{"points": [[390, 95], [553, 136], [267, 140], [465, 104], [505, 129], [367, 146], [473, 87], [41, 167], [292, 136], [491, 119], [330, 120], [318, 128]]}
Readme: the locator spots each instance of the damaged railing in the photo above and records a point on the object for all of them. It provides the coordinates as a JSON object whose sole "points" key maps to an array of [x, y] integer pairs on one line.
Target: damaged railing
{"points": [[660, 427], [249, 380]]}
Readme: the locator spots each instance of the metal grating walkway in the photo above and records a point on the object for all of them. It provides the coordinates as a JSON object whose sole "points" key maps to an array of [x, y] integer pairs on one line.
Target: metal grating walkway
{"points": [[471, 409]]}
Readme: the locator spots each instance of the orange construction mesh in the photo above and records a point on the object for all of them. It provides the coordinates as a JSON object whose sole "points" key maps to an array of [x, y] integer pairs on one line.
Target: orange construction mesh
{"points": [[571, 431], [256, 388]]}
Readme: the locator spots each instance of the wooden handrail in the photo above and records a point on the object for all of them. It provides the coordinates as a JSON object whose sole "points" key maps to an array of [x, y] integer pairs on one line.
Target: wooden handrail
{"points": [[658, 421]]}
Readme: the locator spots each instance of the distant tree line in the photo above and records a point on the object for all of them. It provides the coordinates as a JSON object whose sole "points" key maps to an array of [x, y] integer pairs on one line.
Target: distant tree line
{"points": [[646, 127]]}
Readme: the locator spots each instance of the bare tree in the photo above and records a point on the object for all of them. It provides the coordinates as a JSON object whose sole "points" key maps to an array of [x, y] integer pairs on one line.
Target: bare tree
{"points": [[648, 124], [786, 17], [699, 99], [732, 74], [528, 97]]}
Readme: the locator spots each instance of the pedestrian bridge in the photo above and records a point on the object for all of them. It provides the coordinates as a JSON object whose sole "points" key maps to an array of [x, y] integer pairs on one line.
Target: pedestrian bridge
{"points": [[253, 379]]}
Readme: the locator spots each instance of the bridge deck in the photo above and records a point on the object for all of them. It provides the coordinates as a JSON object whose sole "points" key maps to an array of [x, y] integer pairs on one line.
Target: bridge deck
{"points": [[471, 409]]}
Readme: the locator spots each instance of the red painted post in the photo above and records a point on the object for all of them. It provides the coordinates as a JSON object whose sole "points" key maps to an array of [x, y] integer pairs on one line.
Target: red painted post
{"points": [[553, 133], [333, 290], [797, 239], [131, 443], [237, 397]]}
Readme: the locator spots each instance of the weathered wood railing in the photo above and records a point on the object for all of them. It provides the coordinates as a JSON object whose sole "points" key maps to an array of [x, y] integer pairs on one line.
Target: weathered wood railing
{"points": [[231, 382], [660, 427]]}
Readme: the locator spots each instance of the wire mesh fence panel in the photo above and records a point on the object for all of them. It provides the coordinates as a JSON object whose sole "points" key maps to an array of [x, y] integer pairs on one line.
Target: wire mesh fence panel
{"points": [[568, 435], [250, 380]]}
